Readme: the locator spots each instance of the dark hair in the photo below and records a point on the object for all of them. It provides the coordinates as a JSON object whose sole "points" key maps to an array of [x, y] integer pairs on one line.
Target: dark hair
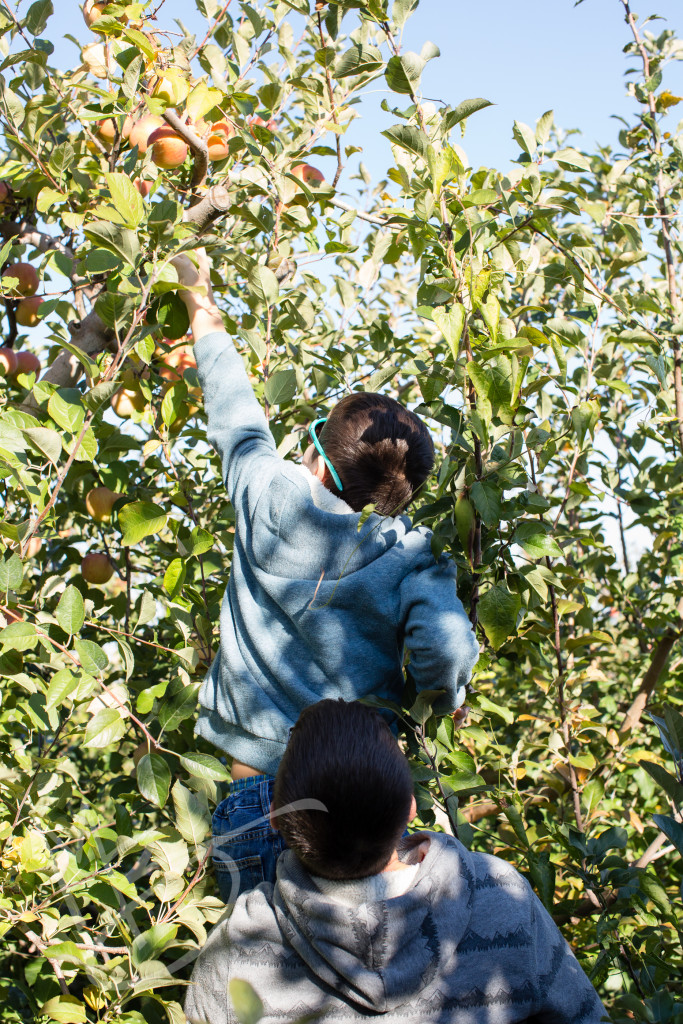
{"points": [[344, 756], [381, 451]]}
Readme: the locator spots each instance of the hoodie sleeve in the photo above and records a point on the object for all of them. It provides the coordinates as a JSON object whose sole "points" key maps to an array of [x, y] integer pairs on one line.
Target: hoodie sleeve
{"points": [[437, 633], [237, 426], [565, 994]]}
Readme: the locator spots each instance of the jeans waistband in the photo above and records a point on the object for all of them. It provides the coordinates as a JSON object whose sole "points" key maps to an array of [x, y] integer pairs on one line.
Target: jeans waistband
{"points": [[251, 780]]}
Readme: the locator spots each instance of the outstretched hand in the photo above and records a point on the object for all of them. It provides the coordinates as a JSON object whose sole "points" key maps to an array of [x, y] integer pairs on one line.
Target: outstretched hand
{"points": [[195, 272]]}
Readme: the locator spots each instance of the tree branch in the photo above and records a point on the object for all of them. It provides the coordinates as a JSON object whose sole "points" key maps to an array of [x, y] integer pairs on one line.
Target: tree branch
{"points": [[198, 149], [660, 656]]}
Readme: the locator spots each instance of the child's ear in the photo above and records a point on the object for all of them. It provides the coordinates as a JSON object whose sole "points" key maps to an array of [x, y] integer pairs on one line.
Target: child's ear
{"points": [[319, 469], [273, 819], [413, 809]]}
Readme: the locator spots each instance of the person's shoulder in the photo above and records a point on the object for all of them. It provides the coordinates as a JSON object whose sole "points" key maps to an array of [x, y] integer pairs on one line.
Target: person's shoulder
{"points": [[483, 872]]}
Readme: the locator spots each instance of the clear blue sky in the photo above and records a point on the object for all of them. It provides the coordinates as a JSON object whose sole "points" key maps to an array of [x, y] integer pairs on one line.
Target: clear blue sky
{"points": [[526, 57]]}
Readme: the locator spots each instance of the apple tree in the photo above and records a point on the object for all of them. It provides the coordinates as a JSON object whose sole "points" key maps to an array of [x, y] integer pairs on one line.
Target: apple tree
{"points": [[531, 315]]}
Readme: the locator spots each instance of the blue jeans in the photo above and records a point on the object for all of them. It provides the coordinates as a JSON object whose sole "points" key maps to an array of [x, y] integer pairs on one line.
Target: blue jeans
{"points": [[245, 846]]}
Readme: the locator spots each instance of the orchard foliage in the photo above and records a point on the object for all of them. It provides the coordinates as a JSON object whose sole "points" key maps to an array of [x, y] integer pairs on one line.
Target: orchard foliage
{"points": [[532, 316]]}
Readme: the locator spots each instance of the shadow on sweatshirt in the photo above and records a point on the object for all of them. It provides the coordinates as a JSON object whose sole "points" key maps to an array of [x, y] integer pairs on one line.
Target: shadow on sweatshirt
{"points": [[468, 943]]}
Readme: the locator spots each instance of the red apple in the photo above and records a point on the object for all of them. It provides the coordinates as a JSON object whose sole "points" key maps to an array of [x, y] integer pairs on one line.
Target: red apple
{"points": [[127, 402], [168, 149], [26, 276], [96, 568], [217, 142], [310, 176], [143, 186], [33, 547], [8, 362], [92, 11], [99, 502], [27, 362], [142, 129], [27, 311], [5, 192]]}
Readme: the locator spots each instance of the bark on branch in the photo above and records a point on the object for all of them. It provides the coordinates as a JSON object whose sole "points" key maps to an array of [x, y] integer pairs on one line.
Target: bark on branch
{"points": [[660, 656]]}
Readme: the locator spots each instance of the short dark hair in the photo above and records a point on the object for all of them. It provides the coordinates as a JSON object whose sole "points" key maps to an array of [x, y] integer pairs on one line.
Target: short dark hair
{"points": [[345, 756], [381, 451]]}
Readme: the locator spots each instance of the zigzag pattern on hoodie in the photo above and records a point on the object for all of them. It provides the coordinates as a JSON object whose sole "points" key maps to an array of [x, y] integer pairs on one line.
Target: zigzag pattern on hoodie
{"points": [[468, 942]]}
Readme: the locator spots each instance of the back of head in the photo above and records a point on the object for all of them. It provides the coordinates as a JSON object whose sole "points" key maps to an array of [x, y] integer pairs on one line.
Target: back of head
{"points": [[381, 451], [344, 756]]}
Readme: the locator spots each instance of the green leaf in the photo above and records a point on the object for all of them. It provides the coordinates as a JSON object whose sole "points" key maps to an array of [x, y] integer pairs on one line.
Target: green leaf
{"points": [[654, 891], [486, 499], [205, 766], [280, 387], [37, 16], [66, 409], [178, 708], [263, 284], [105, 728], [200, 542], [571, 160], [92, 657], [401, 11], [672, 829], [174, 577], [542, 876], [70, 612], [246, 1004], [412, 139], [536, 541], [495, 709], [598, 636], [149, 944], [403, 73], [61, 685], [524, 137], [66, 1009], [11, 573], [47, 441], [154, 778], [19, 636], [671, 786], [584, 419], [463, 110], [140, 519], [357, 60], [515, 819], [192, 818], [126, 198], [498, 610], [119, 240], [544, 126], [451, 323]]}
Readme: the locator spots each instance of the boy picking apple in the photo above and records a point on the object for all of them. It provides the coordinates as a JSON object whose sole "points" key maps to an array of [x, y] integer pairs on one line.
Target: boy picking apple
{"points": [[314, 607]]}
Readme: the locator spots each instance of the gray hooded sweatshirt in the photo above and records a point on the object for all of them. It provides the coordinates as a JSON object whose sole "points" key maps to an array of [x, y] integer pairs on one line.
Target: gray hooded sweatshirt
{"points": [[467, 943], [316, 605]]}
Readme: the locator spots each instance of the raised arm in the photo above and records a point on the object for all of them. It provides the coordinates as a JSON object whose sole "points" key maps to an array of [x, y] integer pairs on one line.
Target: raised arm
{"points": [[438, 635], [237, 426]]}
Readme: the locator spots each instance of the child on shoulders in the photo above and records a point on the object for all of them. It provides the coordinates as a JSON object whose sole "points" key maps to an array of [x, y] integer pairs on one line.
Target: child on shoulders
{"points": [[314, 607]]}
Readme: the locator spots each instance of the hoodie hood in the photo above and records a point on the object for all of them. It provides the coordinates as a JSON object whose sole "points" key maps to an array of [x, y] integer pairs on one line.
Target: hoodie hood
{"points": [[379, 954]]}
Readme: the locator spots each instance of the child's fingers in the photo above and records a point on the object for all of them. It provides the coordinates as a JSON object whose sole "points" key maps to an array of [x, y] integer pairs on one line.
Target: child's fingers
{"points": [[186, 270]]}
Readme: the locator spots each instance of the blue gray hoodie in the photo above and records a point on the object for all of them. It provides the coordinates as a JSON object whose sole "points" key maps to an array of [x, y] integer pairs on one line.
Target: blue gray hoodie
{"points": [[468, 942], [316, 606]]}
